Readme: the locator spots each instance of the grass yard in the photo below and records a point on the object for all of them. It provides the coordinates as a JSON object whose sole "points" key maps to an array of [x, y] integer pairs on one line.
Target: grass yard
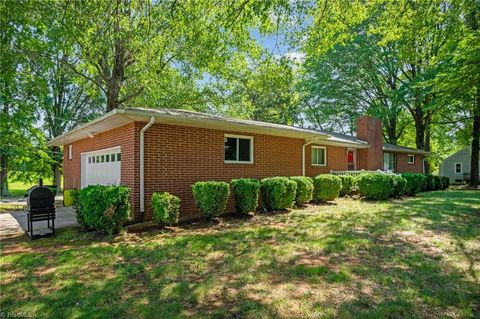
{"points": [[18, 189], [411, 258]]}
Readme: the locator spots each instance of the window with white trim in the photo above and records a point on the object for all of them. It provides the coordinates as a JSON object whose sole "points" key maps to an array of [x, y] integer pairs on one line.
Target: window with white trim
{"points": [[319, 156], [389, 161], [458, 168], [238, 149], [411, 159]]}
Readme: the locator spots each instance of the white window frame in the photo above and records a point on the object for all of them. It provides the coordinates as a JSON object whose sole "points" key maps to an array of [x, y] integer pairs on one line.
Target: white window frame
{"points": [[325, 152], [238, 149], [455, 168], [394, 156], [408, 159], [70, 151]]}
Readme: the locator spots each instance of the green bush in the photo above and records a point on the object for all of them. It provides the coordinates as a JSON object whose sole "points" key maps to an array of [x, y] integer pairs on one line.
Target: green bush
{"points": [[278, 193], [69, 197], [166, 208], [304, 192], [399, 185], [430, 182], [446, 182], [437, 182], [415, 183], [423, 182], [246, 192], [347, 183], [375, 185], [103, 208], [211, 197], [326, 187]]}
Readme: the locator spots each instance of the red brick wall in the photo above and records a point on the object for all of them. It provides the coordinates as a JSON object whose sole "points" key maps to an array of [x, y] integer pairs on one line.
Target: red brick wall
{"points": [[125, 137], [336, 160], [370, 129], [404, 167], [178, 156]]}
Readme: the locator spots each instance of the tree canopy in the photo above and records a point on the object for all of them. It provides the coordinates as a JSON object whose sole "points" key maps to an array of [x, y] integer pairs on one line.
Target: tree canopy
{"points": [[414, 64]]}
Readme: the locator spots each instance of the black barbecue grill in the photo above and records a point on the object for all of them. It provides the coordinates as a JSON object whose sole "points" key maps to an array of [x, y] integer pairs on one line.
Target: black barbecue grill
{"points": [[40, 207]]}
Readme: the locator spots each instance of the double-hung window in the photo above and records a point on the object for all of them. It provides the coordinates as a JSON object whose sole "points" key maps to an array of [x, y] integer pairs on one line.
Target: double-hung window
{"points": [[319, 156], [411, 159], [458, 168], [238, 149], [389, 161]]}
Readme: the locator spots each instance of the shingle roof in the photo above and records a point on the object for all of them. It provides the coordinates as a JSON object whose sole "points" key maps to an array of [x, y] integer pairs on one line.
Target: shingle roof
{"points": [[402, 149], [332, 137]]}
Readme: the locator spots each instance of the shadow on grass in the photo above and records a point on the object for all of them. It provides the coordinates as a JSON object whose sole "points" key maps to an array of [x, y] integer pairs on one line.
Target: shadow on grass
{"points": [[244, 268]]}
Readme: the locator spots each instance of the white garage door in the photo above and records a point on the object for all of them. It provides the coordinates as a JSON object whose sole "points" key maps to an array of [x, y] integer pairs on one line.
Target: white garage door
{"points": [[102, 167]]}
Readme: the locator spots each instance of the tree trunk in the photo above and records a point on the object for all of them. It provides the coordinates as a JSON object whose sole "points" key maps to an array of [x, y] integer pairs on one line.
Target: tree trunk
{"points": [[57, 176], [422, 130], [391, 129], [474, 170], [4, 175]]}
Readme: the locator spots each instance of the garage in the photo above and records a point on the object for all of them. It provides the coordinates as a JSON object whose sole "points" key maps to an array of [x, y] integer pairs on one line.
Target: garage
{"points": [[102, 167]]}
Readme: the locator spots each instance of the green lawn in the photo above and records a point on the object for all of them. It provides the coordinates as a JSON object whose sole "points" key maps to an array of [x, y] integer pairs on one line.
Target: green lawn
{"points": [[411, 258], [18, 189]]}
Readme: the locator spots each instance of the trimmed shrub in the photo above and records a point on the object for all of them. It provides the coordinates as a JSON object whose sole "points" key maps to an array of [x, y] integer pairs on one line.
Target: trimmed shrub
{"points": [[326, 187], [347, 183], [69, 197], [304, 192], [211, 197], [278, 193], [399, 185], [437, 182], [103, 208], [415, 183], [446, 182], [166, 208], [246, 192], [423, 182], [375, 185], [430, 182]]}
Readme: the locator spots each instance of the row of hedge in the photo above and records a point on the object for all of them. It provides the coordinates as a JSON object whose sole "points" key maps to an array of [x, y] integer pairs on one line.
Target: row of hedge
{"points": [[107, 208]]}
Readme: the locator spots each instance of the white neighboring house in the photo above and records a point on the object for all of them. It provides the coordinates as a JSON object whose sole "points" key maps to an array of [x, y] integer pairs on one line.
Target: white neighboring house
{"points": [[457, 166]]}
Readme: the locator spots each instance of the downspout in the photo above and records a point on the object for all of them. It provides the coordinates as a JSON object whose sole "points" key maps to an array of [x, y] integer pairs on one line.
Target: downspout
{"points": [[303, 153], [142, 166]]}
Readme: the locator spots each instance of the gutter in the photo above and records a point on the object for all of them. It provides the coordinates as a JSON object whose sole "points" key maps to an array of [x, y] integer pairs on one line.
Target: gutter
{"points": [[142, 166], [303, 153]]}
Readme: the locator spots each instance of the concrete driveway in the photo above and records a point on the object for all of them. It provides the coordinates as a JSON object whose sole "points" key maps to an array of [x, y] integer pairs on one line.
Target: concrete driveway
{"points": [[14, 223]]}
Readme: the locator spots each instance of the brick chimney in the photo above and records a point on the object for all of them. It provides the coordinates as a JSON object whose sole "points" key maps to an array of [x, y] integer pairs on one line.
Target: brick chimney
{"points": [[369, 129]]}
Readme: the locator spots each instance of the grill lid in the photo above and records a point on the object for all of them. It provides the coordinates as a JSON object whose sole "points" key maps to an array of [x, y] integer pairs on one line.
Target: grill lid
{"points": [[40, 197]]}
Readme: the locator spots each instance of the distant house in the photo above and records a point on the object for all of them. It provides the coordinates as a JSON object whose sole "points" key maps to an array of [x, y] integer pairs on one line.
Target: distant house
{"points": [[166, 150], [457, 166]]}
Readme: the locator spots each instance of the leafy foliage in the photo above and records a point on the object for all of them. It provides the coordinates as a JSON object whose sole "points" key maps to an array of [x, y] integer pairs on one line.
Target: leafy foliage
{"points": [[278, 193], [399, 185], [166, 208], [347, 184], [375, 185], [246, 192], [104, 208], [326, 187], [304, 193], [211, 197], [415, 183]]}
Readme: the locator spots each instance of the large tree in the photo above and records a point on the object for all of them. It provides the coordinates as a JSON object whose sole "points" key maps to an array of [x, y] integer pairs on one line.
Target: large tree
{"points": [[459, 79], [128, 48]]}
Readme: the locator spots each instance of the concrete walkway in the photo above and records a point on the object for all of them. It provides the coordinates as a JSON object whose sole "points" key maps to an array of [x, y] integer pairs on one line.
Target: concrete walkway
{"points": [[14, 223]]}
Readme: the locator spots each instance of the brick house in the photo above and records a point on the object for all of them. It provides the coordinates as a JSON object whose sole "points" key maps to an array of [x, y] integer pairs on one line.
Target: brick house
{"points": [[152, 150]]}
